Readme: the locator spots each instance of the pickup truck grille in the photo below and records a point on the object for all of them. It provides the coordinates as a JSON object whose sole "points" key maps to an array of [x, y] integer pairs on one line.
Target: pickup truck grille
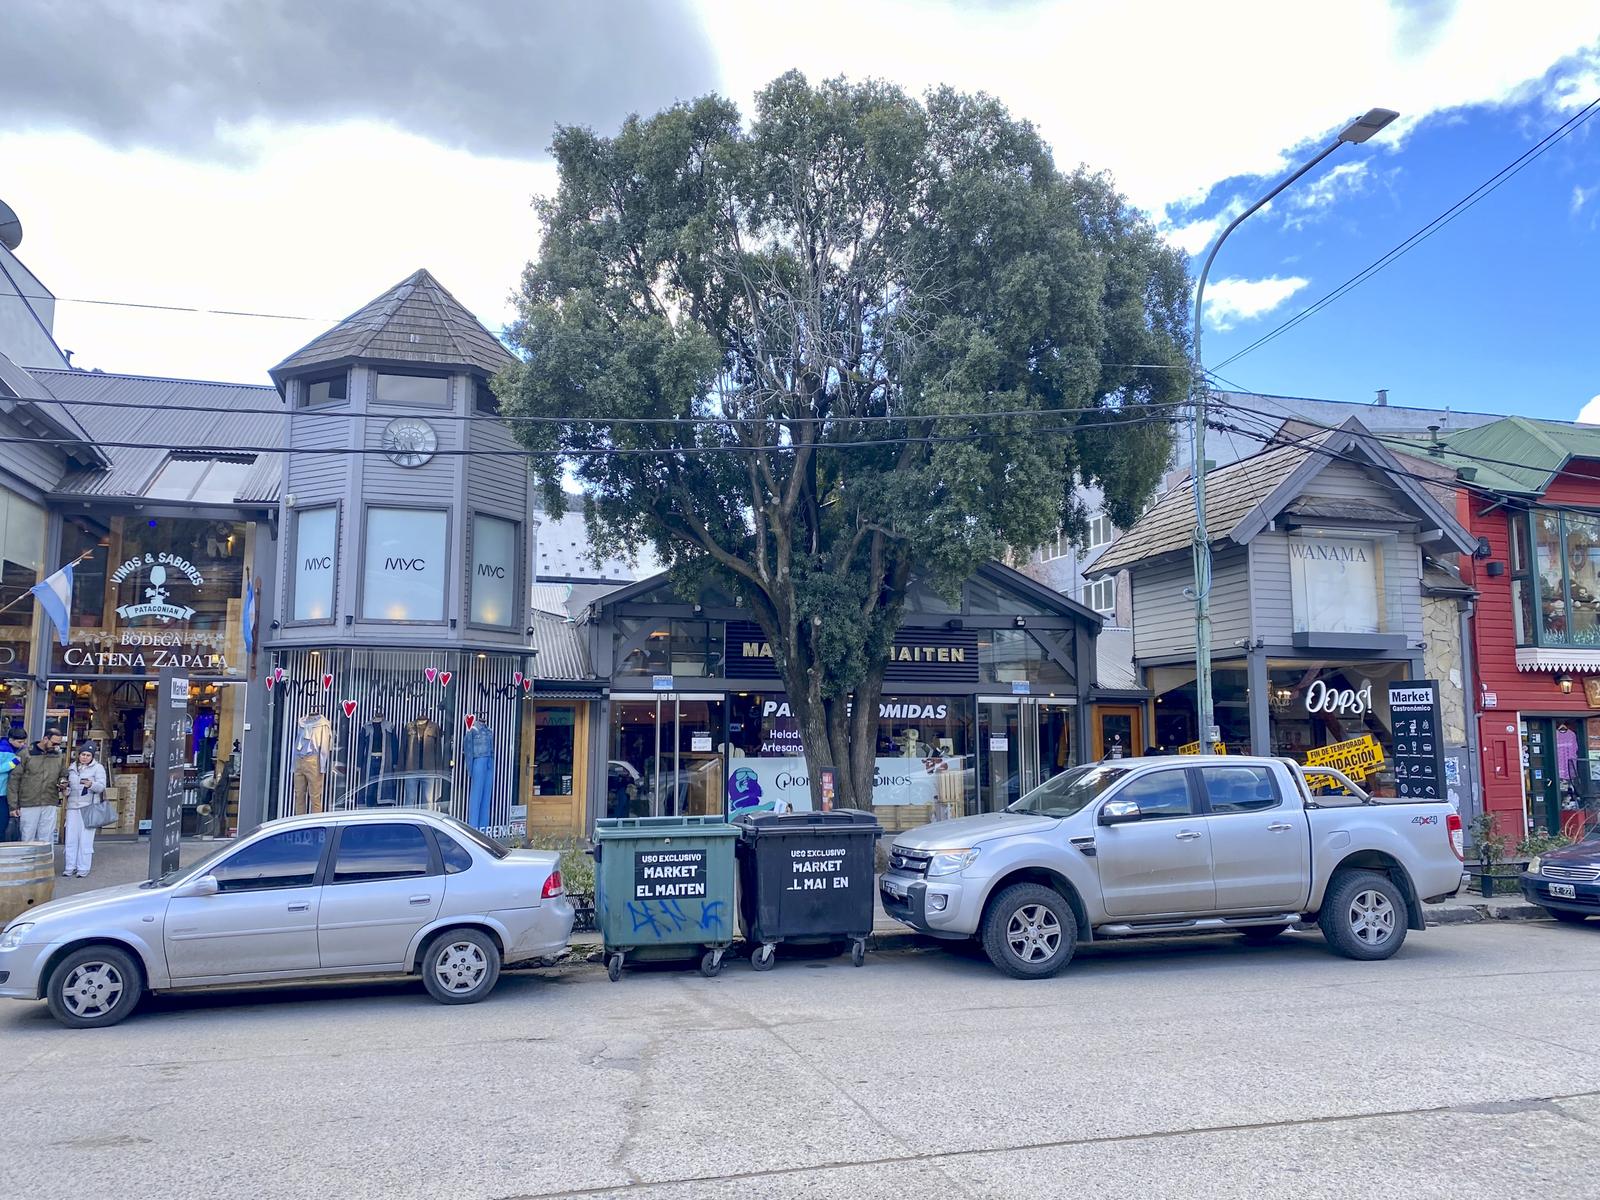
{"points": [[911, 862], [1577, 874]]}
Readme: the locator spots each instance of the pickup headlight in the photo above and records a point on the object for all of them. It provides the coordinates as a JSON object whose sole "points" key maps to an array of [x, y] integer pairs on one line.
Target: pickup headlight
{"points": [[1534, 865], [951, 862], [13, 936]]}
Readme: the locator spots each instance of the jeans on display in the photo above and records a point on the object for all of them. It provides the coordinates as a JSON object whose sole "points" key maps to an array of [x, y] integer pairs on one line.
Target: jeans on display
{"points": [[78, 843], [39, 824], [479, 748], [421, 792]]}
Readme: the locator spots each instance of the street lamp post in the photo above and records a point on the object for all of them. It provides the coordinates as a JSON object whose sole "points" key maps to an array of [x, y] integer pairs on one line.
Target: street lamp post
{"points": [[1355, 133]]}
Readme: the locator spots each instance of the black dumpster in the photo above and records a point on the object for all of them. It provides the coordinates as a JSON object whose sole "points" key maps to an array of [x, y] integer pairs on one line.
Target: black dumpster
{"points": [[806, 877]]}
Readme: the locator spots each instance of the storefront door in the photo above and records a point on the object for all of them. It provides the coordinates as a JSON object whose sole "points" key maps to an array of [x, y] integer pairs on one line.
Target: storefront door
{"points": [[1021, 743], [1118, 731], [1555, 755], [666, 757]]}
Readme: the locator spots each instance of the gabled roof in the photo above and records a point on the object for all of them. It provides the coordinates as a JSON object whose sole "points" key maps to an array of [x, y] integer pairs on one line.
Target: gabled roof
{"points": [[1517, 455], [1243, 497], [416, 321]]}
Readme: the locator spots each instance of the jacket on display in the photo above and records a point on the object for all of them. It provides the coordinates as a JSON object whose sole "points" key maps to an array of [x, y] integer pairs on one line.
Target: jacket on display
{"points": [[313, 735], [377, 757], [422, 748]]}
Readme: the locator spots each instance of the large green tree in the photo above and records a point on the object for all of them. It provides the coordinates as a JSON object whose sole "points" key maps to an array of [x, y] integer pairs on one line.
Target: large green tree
{"points": [[872, 339]]}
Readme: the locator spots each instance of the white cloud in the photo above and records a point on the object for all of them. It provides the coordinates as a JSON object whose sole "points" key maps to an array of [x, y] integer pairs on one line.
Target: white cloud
{"points": [[1322, 191], [1581, 196], [1589, 414], [1232, 300]]}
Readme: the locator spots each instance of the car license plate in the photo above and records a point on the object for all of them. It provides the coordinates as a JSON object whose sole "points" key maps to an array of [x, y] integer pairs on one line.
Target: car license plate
{"points": [[894, 889], [1563, 891]]}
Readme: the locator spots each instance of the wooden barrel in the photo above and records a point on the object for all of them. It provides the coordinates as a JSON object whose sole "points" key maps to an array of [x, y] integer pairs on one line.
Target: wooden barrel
{"points": [[27, 877]]}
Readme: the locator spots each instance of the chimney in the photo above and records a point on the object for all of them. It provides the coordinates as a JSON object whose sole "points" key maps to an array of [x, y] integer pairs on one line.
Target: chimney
{"points": [[1383, 397]]}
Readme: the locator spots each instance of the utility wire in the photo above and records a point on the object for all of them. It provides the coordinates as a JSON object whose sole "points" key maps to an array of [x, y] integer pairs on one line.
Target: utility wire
{"points": [[1483, 190]]}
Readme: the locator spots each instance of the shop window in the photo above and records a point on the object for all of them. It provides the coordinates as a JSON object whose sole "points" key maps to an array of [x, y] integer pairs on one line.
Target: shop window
{"points": [[1015, 655], [405, 565], [316, 550], [1175, 718], [413, 387], [554, 747], [986, 600], [1338, 582], [22, 526], [688, 648], [1315, 705], [332, 388], [494, 572], [1556, 596]]}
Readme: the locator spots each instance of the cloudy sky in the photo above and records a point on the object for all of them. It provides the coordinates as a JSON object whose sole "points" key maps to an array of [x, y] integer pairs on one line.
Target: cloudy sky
{"points": [[296, 157]]}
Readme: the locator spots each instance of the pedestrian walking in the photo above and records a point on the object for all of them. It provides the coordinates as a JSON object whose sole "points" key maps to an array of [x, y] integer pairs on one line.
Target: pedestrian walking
{"points": [[86, 784], [36, 786]]}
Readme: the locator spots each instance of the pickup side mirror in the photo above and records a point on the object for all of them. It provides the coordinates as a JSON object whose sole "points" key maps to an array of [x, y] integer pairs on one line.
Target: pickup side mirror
{"points": [[1119, 812], [206, 885]]}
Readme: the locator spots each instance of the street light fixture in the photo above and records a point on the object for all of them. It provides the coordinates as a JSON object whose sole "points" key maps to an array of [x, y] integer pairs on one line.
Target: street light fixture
{"points": [[1358, 131]]}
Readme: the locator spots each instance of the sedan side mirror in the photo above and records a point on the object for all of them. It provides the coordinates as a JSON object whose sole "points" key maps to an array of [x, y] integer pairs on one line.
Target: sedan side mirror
{"points": [[206, 885], [1120, 812]]}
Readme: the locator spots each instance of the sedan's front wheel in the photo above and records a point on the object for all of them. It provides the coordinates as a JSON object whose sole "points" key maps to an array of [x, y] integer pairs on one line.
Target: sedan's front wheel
{"points": [[94, 987], [1029, 931], [460, 966]]}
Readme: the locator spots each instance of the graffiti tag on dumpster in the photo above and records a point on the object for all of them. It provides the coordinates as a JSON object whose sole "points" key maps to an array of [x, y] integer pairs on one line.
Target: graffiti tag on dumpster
{"points": [[662, 874], [817, 870]]}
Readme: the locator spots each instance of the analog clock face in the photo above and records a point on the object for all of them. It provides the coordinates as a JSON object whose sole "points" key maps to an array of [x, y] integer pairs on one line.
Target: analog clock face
{"points": [[409, 441]]}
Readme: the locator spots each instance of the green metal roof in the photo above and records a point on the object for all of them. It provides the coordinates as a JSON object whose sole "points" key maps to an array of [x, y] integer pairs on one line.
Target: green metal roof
{"points": [[1517, 455]]}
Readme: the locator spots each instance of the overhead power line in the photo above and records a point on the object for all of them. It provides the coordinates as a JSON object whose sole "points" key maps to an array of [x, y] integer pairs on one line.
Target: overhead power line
{"points": [[1482, 191]]}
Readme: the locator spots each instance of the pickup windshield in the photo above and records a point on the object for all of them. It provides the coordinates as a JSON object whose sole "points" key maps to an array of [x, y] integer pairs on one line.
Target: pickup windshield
{"points": [[1065, 794]]}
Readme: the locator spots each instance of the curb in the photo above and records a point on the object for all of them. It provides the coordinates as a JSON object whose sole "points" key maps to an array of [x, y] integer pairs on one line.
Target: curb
{"points": [[1472, 914]]}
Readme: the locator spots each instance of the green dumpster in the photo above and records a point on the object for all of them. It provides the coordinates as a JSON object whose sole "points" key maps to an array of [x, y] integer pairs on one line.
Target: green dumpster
{"points": [[664, 889]]}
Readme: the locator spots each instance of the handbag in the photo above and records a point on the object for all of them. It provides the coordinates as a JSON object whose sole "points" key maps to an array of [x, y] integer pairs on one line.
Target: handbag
{"points": [[13, 831], [99, 814]]}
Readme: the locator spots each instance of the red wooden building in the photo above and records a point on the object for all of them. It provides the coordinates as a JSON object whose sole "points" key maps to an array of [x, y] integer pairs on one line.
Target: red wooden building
{"points": [[1531, 491]]}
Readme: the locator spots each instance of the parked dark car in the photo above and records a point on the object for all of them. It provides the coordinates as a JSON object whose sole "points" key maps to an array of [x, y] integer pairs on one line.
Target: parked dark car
{"points": [[1566, 882]]}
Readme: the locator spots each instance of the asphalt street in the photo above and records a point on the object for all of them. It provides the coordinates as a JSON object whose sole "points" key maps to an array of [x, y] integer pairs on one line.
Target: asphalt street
{"points": [[1207, 1068]]}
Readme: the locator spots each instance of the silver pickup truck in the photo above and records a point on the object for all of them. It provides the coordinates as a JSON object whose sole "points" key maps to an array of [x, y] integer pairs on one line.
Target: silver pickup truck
{"points": [[1176, 845]]}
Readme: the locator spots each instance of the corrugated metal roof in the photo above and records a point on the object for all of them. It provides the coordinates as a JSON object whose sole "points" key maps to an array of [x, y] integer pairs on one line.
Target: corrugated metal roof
{"points": [[214, 415], [1232, 492], [1524, 456], [417, 320], [1113, 660], [563, 651]]}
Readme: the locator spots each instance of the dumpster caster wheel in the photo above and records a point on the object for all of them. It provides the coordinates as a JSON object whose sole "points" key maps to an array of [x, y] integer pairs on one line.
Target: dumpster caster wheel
{"points": [[711, 964], [858, 954], [765, 958], [614, 967]]}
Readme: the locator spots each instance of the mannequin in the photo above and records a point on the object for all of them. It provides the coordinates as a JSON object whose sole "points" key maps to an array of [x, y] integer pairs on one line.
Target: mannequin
{"points": [[478, 747], [422, 750], [308, 754], [377, 757]]}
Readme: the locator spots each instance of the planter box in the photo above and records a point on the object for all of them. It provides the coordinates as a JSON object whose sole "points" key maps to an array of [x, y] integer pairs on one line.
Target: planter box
{"points": [[1505, 880]]}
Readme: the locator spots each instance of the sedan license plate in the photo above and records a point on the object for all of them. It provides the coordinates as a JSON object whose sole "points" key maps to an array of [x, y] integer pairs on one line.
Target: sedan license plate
{"points": [[894, 889], [1563, 891]]}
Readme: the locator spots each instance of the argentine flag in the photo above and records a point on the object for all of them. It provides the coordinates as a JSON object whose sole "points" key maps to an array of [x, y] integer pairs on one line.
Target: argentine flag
{"points": [[55, 597]]}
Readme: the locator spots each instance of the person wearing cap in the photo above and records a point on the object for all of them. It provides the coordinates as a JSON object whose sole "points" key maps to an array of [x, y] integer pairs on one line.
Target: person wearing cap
{"points": [[86, 783]]}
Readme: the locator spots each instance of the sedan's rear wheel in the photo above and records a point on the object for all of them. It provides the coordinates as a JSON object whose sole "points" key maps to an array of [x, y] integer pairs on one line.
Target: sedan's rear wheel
{"points": [[460, 966], [94, 987]]}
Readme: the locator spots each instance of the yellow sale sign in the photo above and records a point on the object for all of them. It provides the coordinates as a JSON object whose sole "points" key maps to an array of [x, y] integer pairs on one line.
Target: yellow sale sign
{"points": [[1357, 757], [1194, 748]]}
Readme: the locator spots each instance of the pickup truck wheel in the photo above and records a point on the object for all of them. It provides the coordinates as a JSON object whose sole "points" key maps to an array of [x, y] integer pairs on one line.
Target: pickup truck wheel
{"points": [[1029, 931], [1363, 915], [1260, 934]]}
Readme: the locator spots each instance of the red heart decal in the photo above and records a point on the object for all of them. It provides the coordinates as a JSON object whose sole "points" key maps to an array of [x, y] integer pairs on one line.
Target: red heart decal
{"points": [[527, 685], [518, 678], [268, 681], [444, 678], [349, 708], [471, 720], [432, 673], [327, 683], [277, 673]]}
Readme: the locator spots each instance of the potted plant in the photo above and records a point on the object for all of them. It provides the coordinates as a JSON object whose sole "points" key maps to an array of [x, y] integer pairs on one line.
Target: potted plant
{"points": [[1490, 846]]}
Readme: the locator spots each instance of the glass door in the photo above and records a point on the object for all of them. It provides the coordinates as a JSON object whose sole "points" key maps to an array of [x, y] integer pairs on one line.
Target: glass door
{"points": [[666, 757], [1541, 773], [999, 753], [1118, 732], [1055, 739]]}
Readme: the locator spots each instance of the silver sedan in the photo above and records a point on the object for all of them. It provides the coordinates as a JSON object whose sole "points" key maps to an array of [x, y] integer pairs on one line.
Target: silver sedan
{"points": [[305, 898]]}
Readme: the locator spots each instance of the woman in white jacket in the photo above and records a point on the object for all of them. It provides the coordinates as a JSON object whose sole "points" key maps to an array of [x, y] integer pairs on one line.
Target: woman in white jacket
{"points": [[86, 783]]}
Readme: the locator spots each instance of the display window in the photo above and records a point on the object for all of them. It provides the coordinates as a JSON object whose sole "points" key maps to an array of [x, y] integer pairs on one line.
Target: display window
{"points": [[1556, 595], [152, 592], [405, 568], [1319, 707], [22, 529], [494, 571], [316, 563], [692, 649], [1175, 722]]}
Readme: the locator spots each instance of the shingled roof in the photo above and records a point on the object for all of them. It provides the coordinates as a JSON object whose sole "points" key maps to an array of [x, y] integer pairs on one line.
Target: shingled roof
{"points": [[416, 321]]}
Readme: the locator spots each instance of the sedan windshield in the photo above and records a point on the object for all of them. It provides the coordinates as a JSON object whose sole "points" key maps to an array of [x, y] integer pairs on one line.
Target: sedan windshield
{"points": [[1067, 793]]}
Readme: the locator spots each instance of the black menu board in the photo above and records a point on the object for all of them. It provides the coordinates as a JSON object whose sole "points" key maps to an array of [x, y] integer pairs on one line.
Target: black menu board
{"points": [[1418, 741]]}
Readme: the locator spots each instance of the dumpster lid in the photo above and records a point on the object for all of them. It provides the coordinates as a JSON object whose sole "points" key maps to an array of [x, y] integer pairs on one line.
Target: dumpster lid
{"points": [[637, 827], [838, 818]]}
